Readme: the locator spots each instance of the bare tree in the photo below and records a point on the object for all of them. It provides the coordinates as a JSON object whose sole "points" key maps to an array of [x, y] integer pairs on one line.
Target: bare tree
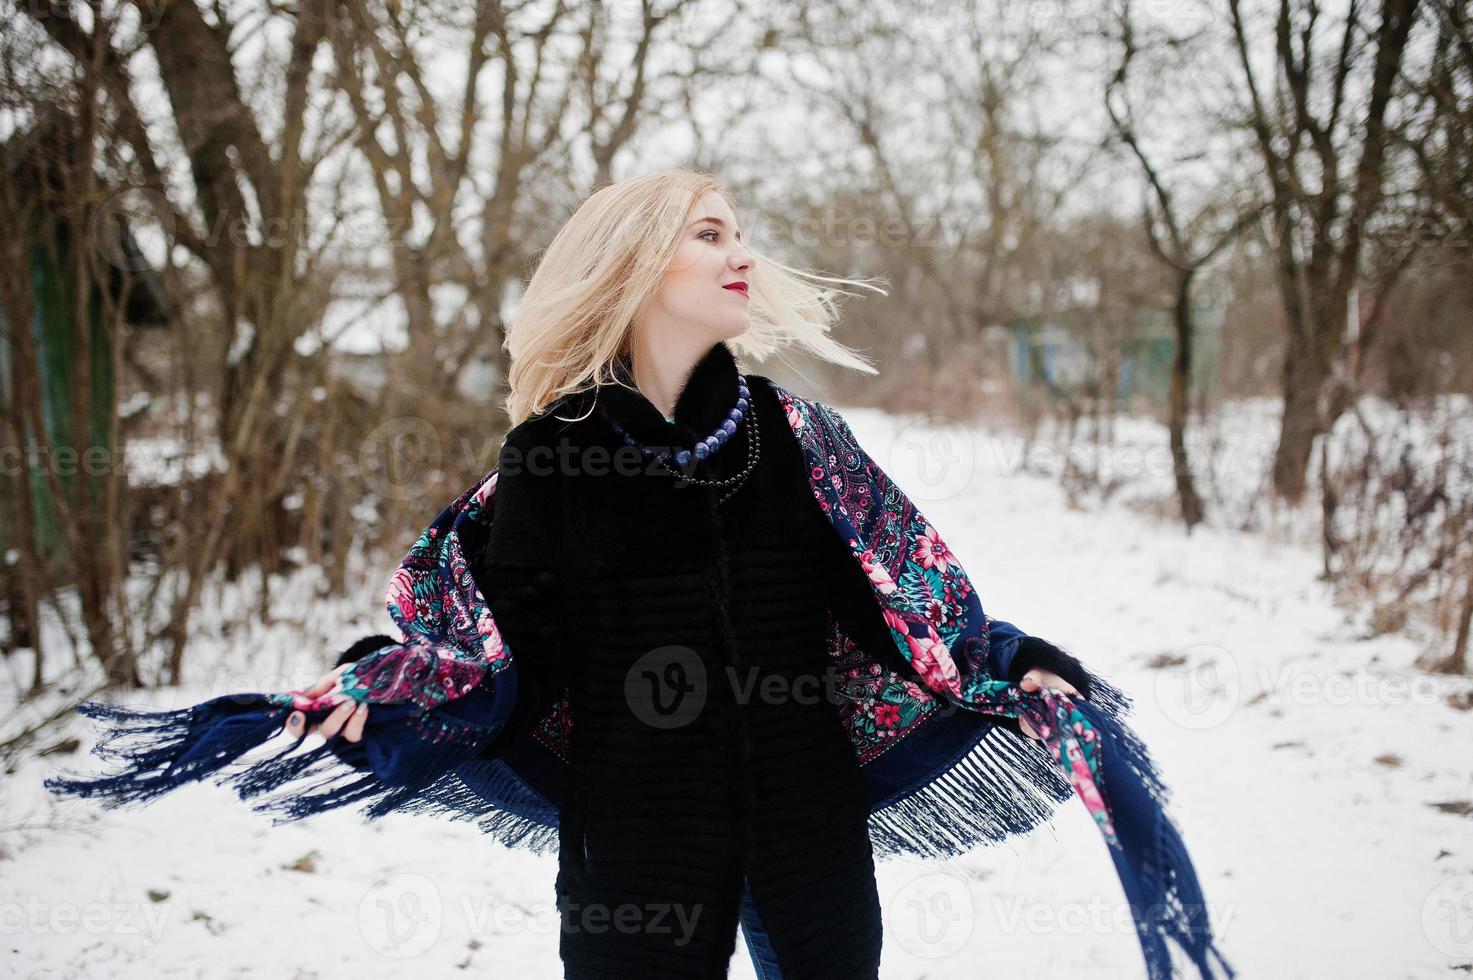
{"points": [[1441, 135], [243, 228], [1322, 128], [60, 335], [1185, 245], [558, 76], [939, 170]]}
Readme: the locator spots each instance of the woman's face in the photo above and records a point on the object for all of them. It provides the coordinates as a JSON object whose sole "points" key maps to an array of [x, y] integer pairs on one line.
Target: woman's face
{"points": [[704, 288]]}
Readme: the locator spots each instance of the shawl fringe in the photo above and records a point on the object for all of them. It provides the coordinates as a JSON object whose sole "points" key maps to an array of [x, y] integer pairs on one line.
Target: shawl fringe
{"points": [[998, 789], [1001, 786], [163, 750], [500, 805]]}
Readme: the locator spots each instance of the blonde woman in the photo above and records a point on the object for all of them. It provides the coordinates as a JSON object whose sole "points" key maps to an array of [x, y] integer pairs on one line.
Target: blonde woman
{"points": [[682, 604]]}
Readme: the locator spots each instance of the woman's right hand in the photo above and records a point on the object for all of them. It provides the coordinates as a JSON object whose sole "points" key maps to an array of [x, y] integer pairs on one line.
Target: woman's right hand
{"points": [[349, 716]]}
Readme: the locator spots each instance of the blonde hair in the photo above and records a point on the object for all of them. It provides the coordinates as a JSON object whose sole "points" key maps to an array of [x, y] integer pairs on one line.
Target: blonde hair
{"points": [[577, 312]]}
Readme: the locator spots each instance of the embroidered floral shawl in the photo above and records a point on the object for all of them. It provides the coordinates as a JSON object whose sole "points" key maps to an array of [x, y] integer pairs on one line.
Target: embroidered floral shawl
{"points": [[941, 780]]}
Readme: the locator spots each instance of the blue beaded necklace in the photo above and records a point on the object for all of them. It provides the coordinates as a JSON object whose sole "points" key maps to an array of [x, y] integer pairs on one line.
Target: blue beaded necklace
{"points": [[709, 445]]}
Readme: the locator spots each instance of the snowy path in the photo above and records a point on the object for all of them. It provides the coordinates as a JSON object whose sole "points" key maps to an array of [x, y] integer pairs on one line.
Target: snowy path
{"points": [[1318, 859]]}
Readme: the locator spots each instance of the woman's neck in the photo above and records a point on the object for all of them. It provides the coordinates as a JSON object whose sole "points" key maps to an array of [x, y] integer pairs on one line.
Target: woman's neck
{"points": [[704, 398], [660, 371]]}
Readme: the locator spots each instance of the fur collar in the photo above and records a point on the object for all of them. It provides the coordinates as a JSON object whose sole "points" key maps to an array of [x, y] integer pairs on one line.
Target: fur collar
{"points": [[707, 395]]}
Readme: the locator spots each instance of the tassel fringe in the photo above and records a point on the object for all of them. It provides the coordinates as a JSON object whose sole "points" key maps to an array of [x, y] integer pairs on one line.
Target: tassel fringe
{"points": [[488, 793], [163, 750], [1000, 788], [1152, 862], [1005, 785]]}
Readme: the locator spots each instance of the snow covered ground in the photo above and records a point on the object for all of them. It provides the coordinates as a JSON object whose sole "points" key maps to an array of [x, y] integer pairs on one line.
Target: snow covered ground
{"points": [[1320, 782]]}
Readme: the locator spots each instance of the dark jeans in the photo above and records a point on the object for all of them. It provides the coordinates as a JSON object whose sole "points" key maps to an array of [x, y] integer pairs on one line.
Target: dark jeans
{"points": [[764, 960]]}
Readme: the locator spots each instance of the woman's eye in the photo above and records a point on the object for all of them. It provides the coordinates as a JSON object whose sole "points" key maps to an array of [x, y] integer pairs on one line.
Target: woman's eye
{"points": [[709, 231]]}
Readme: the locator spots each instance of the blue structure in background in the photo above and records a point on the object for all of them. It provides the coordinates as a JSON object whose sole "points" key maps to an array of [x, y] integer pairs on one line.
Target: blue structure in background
{"points": [[1053, 353]]}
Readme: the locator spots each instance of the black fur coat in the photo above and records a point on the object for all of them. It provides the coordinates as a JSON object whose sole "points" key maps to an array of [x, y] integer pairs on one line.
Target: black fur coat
{"points": [[663, 613]]}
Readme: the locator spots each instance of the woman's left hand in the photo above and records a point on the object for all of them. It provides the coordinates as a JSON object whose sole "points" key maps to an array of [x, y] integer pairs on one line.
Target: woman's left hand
{"points": [[347, 716], [1035, 679]]}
